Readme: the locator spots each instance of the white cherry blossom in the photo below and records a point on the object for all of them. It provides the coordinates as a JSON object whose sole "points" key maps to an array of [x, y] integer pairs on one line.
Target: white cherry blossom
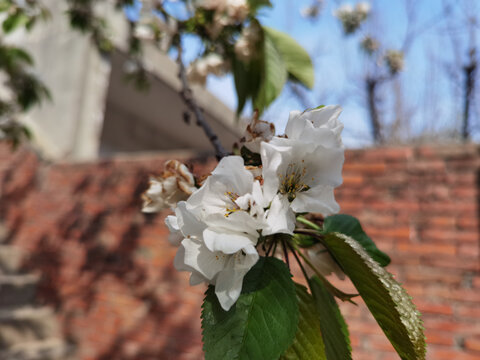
{"points": [[221, 224], [305, 166], [218, 257], [231, 198]]}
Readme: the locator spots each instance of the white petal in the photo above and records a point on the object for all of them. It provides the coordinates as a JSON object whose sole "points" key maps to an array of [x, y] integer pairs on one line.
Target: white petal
{"points": [[237, 222], [187, 222], [192, 254], [295, 125], [231, 170], [322, 165], [175, 236], [228, 285], [272, 161], [224, 242], [324, 115], [196, 278], [280, 217], [318, 199], [172, 223]]}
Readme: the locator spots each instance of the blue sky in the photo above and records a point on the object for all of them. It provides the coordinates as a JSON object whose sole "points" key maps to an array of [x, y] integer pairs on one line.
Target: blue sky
{"points": [[430, 99]]}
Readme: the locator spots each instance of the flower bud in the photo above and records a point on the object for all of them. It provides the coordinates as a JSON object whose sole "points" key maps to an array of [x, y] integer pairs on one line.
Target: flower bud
{"points": [[175, 184], [256, 132]]}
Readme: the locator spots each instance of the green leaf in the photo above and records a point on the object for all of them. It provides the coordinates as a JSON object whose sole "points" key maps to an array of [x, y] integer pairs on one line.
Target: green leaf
{"points": [[334, 329], [350, 226], [5, 5], [274, 76], [255, 4], [261, 324], [388, 302], [304, 241], [20, 55], [297, 61], [240, 75], [15, 20], [308, 343]]}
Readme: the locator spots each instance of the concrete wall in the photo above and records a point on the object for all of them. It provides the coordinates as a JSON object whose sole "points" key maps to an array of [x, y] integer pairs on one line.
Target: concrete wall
{"points": [[94, 111], [107, 268]]}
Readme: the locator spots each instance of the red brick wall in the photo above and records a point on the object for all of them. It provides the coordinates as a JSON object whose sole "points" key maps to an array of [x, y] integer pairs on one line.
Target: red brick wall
{"points": [[107, 268]]}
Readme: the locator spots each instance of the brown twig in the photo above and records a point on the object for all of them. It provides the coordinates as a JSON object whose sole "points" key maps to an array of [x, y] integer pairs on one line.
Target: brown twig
{"points": [[187, 96]]}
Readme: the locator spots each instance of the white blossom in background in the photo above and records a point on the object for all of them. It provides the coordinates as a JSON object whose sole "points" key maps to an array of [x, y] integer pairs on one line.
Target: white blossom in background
{"points": [[227, 12], [351, 18], [395, 61], [144, 32], [363, 10], [246, 44], [199, 69], [303, 168], [256, 132], [369, 44], [175, 184], [312, 11], [344, 10]]}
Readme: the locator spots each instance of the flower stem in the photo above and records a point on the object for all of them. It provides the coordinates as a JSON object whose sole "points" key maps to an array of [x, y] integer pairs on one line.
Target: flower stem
{"points": [[285, 253], [333, 290], [298, 262], [304, 221]]}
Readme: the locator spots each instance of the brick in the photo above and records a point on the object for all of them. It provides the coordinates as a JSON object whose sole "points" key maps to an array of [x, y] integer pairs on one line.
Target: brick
{"points": [[427, 249], [473, 343], [469, 250], [423, 213], [365, 168], [468, 311], [349, 180], [439, 338], [439, 353], [432, 308]]}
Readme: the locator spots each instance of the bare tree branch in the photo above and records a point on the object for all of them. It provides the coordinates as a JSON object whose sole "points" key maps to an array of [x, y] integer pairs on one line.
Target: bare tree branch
{"points": [[187, 96]]}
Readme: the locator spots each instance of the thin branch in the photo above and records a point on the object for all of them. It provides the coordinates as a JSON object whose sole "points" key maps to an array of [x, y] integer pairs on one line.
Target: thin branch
{"points": [[298, 261], [267, 253], [285, 253], [332, 289], [187, 96]]}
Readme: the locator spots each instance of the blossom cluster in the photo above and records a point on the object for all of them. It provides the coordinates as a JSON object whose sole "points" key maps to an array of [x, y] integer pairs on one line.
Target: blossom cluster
{"points": [[199, 69], [226, 12], [219, 226], [351, 17]]}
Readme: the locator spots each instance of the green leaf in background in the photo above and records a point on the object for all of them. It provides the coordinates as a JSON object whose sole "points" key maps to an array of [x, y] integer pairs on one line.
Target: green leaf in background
{"points": [[274, 76], [14, 20], [350, 226], [261, 324], [297, 61], [240, 75], [388, 302], [308, 343], [304, 241], [255, 4], [334, 329]]}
